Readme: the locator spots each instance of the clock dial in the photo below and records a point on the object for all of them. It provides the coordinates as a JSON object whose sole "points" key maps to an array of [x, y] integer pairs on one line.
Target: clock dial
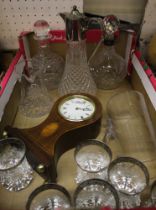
{"points": [[77, 108]]}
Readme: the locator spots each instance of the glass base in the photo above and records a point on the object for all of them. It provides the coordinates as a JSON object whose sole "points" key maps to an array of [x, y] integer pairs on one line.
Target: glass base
{"points": [[35, 108], [51, 204], [17, 178], [83, 175], [35, 101], [94, 196], [129, 201]]}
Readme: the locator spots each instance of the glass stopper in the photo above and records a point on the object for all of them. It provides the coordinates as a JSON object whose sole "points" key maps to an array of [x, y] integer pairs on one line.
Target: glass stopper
{"points": [[110, 26], [41, 30]]}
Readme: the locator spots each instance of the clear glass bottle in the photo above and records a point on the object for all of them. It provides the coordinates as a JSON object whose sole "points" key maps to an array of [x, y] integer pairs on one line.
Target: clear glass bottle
{"points": [[50, 64], [106, 65], [76, 77], [35, 100], [44, 73]]}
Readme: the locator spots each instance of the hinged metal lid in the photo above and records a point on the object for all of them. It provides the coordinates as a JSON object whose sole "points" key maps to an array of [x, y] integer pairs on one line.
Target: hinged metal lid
{"points": [[76, 24]]}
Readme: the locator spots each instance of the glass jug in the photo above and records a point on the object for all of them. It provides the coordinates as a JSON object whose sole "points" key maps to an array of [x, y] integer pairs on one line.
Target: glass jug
{"points": [[77, 77]]}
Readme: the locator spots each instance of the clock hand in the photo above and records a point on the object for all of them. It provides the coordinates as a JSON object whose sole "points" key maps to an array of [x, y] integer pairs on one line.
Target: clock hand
{"points": [[83, 109], [86, 109], [78, 108]]}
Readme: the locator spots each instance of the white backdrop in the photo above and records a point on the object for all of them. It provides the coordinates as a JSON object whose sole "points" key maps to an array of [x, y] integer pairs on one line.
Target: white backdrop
{"points": [[19, 15]]}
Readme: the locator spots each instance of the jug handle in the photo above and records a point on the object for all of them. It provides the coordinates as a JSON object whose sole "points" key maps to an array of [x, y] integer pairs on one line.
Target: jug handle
{"points": [[99, 21]]}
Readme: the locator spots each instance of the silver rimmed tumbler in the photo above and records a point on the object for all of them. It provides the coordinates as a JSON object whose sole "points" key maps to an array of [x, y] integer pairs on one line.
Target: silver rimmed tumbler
{"points": [[49, 197], [92, 158], [95, 193], [15, 171], [130, 177]]}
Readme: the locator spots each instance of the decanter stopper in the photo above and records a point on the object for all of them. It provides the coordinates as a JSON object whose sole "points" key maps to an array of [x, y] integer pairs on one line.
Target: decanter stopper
{"points": [[41, 30], [110, 26], [108, 68]]}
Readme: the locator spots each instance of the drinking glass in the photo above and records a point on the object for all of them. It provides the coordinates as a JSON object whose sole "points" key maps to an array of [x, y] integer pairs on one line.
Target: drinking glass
{"points": [[15, 171], [49, 197], [151, 198], [153, 194], [129, 177], [130, 124], [95, 193], [92, 158]]}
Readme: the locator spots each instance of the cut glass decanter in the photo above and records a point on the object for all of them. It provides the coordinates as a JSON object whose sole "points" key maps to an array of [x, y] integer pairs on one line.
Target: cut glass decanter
{"points": [[77, 77], [106, 65], [49, 63]]}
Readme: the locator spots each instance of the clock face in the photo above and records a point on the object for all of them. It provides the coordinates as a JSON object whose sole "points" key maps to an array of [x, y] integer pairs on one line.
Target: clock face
{"points": [[77, 108]]}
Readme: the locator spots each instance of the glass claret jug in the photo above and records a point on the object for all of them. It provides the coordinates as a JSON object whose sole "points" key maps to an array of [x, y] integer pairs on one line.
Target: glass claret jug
{"points": [[35, 101], [106, 65], [76, 77], [50, 64]]}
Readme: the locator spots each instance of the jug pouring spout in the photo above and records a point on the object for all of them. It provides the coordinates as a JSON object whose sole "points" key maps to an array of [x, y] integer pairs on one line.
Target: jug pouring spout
{"points": [[76, 24], [63, 15]]}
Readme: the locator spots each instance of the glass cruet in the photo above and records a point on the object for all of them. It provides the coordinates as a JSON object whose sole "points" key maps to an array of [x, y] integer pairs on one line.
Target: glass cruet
{"points": [[35, 101], [76, 77], [108, 68], [49, 63]]}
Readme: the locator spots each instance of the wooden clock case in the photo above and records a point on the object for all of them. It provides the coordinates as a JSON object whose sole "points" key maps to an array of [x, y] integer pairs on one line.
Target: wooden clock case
{"points": [[47, 141]]}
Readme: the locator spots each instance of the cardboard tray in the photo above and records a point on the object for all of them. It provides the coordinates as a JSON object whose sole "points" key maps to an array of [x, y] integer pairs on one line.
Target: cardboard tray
{"points": [[66, 167]]}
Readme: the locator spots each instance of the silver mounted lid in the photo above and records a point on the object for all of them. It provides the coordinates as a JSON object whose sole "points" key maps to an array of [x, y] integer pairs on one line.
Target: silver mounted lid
{"points": [[76, 24]]}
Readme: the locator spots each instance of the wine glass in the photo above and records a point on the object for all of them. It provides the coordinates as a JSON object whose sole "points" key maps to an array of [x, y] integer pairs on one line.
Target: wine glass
{"points": [[49, 197], [95, 193], [130, 177], [15, 171], [92, 158]]}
